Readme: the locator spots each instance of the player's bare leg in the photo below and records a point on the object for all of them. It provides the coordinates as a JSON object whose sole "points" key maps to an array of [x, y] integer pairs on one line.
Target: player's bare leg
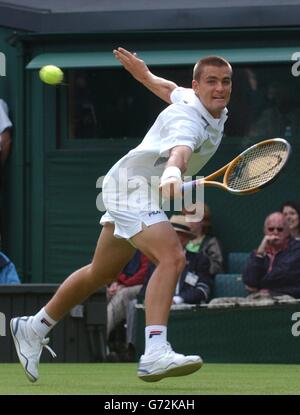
{"points": [[111, 255], [161, 244]]}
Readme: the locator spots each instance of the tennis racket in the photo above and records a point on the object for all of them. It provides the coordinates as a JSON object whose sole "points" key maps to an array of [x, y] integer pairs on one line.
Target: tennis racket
{"points": [[253, 169]]}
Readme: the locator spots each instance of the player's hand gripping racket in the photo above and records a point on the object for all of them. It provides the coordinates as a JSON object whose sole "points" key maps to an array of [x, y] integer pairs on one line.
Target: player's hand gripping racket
{"points": [[254, 168]]}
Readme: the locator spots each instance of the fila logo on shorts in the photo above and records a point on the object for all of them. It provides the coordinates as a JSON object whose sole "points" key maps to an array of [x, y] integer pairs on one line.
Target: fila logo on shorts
{"points": [[154, 333], [154, 212]]}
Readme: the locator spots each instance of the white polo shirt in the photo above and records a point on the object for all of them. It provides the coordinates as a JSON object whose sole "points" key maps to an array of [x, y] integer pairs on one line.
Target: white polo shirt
{"points": [[206, 131], [130, 194], [184, 122]]}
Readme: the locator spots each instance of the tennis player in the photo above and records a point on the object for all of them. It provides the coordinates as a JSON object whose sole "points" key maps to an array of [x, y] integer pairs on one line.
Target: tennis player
{"points": [[183, 138]]}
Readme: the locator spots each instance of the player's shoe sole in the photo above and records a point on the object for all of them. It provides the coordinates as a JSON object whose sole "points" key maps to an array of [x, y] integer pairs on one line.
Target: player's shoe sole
{"points": [[173, 370], [14, 327], [28, 346], [176, 371]]}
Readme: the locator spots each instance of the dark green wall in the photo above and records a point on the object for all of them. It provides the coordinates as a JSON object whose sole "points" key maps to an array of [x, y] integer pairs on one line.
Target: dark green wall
{"points": [[231, 335]]}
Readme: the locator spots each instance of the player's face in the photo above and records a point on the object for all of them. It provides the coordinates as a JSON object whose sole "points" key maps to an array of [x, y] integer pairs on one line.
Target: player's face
{"points": [[214, 88]]}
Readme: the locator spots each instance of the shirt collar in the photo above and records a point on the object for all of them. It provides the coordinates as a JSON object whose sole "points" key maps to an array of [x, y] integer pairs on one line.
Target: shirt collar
{"points": [[215, 123]]}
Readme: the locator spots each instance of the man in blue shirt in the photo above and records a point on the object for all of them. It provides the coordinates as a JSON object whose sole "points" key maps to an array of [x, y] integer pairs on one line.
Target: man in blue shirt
{"points": [[8, 273]]}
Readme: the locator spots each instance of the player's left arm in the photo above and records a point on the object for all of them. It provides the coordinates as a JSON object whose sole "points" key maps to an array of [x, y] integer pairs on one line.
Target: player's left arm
{"points": [[139, 70], [171, 180]]}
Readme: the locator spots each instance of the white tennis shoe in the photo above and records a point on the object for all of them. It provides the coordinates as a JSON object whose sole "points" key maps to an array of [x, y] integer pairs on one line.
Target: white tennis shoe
{"points": [[164, 362], [28, 345]]}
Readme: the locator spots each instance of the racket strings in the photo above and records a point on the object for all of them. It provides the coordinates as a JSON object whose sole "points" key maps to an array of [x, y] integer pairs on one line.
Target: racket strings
{"points": [[257, 166]]}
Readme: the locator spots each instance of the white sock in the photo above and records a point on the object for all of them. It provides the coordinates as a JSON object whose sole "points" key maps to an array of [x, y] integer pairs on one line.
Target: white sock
{"points": [[155, 336], [42, 323]]}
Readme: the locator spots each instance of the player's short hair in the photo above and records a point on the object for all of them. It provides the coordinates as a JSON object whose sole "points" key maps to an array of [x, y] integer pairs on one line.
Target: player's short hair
{"points": [[209, 61]]}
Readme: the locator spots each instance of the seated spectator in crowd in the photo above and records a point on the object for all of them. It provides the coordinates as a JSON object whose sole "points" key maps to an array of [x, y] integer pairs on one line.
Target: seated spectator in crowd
{"points": [[195, 283], [291, 212], [274, 267], [205, 241], [5, 145], [126, 288], [8, 273], [5, 135]]}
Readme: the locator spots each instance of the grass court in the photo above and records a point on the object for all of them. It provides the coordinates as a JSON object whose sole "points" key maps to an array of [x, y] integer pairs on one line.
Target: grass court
{"points": [[120, 379]]}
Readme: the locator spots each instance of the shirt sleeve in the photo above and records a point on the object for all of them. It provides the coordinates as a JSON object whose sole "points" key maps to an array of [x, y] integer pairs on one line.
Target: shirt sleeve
{"points": [[4, 119], [179, 94], [180, 128], [9, 275]]}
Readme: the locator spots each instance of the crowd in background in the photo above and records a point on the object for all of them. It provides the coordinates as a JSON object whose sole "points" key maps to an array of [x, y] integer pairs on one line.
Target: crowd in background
{"points": [[272, 270]]}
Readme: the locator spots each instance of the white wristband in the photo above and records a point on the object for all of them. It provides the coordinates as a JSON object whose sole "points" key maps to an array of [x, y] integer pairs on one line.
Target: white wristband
{"points": [[169, 172]]}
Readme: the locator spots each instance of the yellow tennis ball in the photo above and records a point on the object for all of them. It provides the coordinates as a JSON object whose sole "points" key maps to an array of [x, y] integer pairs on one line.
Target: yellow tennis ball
{"points": [[51, 74]]}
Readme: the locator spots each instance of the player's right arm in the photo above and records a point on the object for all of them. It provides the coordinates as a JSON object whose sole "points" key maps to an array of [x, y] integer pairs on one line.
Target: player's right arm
{"points": [[140, 71], [171, 179]]}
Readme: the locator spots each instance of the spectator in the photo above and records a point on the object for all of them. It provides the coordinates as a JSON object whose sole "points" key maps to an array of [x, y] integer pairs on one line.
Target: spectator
{"points": [[195, 282], [274, 268], [84, 123], [291, 212], [282, 117], [246, 104], [5, 128], [126, 288], [206, 242], [5, 144], [8, 273]]}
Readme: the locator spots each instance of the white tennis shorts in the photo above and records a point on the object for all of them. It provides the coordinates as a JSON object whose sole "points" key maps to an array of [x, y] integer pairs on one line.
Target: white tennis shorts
{"points": [[129, 209]]}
